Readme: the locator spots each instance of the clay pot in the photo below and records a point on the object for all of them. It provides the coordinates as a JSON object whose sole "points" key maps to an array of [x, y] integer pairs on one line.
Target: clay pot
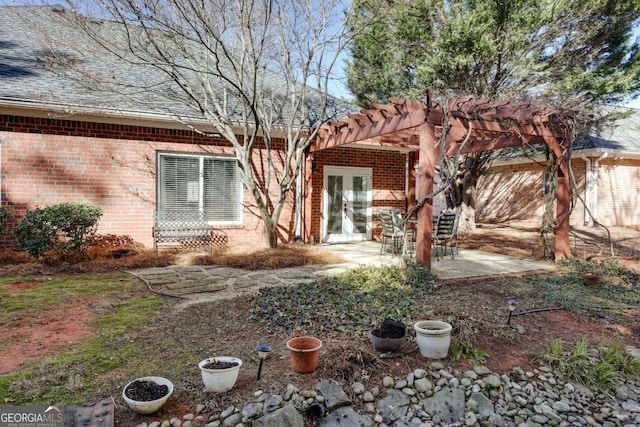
{"points": [[304, 353]]}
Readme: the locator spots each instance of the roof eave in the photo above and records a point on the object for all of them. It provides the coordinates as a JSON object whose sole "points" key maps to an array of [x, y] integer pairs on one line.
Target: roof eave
{"points": [[587, 152], [14, 106]]}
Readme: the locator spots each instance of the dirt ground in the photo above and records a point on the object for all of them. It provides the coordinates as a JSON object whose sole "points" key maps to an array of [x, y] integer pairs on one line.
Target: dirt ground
{"points": [[479, 308]]}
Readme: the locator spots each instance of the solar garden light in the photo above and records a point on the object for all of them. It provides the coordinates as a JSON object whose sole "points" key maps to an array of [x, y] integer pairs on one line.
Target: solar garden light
{"points": [[263, 349], [512, 307]]}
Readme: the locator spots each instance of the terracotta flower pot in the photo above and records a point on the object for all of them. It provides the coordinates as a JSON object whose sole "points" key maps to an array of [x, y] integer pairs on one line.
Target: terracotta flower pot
{"points": [[304, 353]]}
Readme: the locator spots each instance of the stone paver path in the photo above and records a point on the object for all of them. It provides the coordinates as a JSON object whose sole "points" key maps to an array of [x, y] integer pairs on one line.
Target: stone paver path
{"points": [[213, 282], [203, 282]]}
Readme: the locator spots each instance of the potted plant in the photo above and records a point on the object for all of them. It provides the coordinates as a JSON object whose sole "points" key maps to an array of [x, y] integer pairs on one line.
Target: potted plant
{"points": [[147, 394], [219, 374], [390, 336]]}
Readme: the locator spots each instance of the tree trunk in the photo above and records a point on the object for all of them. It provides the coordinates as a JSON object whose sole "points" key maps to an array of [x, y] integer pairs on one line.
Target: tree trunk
{"points": [[269, 234], [461, 193]]}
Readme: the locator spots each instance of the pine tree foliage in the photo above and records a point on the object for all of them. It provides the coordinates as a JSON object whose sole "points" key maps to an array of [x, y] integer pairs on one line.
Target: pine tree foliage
{"points": [[575, 54], [568, 53]]}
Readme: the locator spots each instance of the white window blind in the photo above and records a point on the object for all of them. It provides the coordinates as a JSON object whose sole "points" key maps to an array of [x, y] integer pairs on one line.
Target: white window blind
{"points": [[198, 183]]}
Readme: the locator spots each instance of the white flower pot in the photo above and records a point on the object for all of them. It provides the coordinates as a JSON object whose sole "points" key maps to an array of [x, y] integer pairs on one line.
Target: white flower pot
{"points": [[220, 380], [151, 406], [433, 337]]}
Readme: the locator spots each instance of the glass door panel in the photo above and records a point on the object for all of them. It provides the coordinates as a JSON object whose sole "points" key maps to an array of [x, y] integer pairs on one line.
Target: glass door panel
{"points": [[347, 204], [335, 191], [360, 204]]}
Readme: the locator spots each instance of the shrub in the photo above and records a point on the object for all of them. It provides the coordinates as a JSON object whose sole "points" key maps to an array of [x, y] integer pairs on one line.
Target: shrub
{"points": [[61, 229], [418, 276], [5, 213]]}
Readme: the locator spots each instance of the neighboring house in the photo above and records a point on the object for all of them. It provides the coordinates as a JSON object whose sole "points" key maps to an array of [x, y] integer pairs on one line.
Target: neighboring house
{"points": [[606, 169], [62, 142]]}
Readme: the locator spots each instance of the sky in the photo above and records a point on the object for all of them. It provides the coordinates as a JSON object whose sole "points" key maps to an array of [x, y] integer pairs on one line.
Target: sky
{"points": [[634, 104]]}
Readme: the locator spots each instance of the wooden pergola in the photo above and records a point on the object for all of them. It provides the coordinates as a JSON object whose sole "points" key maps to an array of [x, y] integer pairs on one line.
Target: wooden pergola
{"points": [[466, 125]]}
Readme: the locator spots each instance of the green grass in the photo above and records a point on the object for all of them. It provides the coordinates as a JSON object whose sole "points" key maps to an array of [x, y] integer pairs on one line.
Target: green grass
{"points": [[53, 292], [76, 376], [601, 367], [469, 352]]}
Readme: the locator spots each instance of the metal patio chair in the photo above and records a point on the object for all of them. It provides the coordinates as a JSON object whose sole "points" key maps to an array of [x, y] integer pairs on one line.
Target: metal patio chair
{"points": [[446, 232], [390, 231]]}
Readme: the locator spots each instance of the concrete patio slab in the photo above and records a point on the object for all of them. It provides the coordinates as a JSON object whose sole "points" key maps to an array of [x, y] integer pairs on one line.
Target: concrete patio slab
{"points": [[465, 264]]}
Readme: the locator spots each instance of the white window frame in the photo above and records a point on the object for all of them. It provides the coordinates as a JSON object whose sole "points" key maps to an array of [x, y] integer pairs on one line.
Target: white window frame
{"points": [[201, 158]]}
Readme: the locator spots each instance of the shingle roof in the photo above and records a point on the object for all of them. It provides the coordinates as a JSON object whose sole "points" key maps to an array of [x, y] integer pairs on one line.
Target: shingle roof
{"points": [[621, 135], [29, 78]]}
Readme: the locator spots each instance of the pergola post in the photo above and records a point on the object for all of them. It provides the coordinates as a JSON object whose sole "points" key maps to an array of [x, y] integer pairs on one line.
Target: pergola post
{"points": [[427, 162]]}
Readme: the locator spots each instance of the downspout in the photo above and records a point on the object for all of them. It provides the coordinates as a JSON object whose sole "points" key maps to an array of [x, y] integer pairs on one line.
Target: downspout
{"points": [[587, 189], [594, 210]]}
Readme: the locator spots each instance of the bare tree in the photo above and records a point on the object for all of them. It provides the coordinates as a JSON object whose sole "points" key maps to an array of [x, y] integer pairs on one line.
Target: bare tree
{"points": [[254, 71]]}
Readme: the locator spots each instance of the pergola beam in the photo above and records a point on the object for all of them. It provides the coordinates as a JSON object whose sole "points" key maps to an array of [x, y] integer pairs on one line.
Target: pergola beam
{"points": [[334, 135]]}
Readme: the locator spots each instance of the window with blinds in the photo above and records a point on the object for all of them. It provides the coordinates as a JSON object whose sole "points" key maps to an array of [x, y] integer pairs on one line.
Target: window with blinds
{"points": [[198, 183]]}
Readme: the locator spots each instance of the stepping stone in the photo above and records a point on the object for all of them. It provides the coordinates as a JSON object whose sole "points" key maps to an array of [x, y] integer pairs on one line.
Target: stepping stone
{"points": [[245, 282], [88, 415]]}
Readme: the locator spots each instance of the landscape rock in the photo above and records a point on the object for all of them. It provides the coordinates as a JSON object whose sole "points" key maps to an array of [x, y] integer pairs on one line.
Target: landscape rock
{"points": [[426, 399], [334, 395], [346, 417], [447, 404], [394, 405], [287, 416]]}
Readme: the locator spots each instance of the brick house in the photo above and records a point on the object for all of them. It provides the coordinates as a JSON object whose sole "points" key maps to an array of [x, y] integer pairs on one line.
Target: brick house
{"points": [[61, 143], [58, 143], [606, 168]]}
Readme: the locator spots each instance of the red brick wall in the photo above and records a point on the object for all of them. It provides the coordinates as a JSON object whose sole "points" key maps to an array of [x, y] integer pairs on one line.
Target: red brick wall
{"points": [[48, 161], [388, 184]]}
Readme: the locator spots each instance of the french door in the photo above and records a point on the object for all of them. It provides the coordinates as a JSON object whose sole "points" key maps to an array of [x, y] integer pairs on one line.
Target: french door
{"points": [[347, 204]]}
